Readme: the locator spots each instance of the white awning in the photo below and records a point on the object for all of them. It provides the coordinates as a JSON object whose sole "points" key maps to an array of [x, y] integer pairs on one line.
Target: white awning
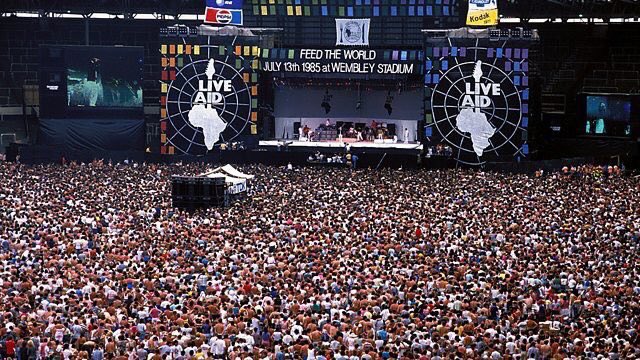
{"points": [[228, 170]]}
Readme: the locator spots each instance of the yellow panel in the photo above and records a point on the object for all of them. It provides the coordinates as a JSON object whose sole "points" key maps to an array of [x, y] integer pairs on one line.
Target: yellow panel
{"points": [[247, 50], [290, 10], [164, 88], [272, 2], [196, 49], [254, 64], [180, 49], [264, 10], [255, 51], [298, 10], [254, 129], [163, 49]]}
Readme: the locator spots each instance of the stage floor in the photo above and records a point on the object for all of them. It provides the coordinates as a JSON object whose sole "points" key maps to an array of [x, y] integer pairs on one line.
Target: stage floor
{"points": [[337, 144]]}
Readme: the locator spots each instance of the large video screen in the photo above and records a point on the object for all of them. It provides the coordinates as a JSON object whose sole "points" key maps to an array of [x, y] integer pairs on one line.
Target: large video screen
{"points": [[607, 115], [104, 77]]}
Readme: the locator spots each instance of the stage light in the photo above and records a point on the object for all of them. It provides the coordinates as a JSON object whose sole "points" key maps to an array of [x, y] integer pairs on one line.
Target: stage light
{"points": [[326, 105], [387, 103]]}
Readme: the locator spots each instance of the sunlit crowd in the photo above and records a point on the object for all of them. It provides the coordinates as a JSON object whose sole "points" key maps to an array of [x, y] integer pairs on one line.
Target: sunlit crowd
{"points": [[318, 263]]}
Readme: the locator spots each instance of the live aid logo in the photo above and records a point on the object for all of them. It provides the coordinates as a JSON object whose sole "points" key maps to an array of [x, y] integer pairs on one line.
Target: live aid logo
{"points": [[477, 95], [210, 92]]}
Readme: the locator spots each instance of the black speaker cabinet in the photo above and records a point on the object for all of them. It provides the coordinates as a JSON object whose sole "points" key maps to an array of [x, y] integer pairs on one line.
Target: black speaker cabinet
{"points": [[198, 192]]}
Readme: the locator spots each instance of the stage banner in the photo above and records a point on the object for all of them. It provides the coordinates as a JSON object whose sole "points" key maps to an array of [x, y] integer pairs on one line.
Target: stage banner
{"points": [[224, 12], [477, 96], [342, 61], [352, 32], [209, 92], [483, 13]]}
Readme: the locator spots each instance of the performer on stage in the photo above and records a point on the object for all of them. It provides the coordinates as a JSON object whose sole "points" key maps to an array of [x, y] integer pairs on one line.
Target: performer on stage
{"points": [[406, 135]]}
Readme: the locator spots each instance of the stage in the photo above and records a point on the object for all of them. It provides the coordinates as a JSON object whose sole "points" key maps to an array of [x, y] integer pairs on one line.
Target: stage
{"points": [[356, 147]]}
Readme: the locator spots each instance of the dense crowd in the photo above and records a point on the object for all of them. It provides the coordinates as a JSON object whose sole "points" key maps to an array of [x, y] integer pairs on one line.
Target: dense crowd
{"points": [[318, 263]]}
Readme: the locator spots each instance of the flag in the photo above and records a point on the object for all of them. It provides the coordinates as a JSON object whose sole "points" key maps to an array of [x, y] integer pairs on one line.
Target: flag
{"points": [[352, 32], [225, 4], [223, 16], [482, 13]]}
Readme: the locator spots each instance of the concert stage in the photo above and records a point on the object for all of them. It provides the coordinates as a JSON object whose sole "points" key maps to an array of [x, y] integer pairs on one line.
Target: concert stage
{"points": [[356, 147]]}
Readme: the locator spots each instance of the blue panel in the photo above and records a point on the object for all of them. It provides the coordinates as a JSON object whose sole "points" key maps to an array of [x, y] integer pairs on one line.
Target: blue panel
{"points": [[376, 11], [350, 11], [445, 64], [429, 10], [325, 11], [394, 11], [499, 53], [516, 66], [490, 52], [507, 66], [516, 80], [525, 94], [428, 131], [403, 56], [454, 51], [525, 108], [436, 78], [427, 79], [412, 11], [445, 11], [420, 11], [525, 149], [525, 122], [525, 81]]}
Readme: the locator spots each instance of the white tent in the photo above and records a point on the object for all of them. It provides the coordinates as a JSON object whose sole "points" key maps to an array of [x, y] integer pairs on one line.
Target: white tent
{"points": [[235, 180], [229, 170]]}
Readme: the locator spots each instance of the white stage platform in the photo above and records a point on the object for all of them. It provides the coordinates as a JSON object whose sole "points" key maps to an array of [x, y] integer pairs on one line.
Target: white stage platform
{"points": [[387, 144]]}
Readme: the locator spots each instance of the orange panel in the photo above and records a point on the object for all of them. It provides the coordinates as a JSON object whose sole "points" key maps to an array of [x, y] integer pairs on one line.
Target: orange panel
{"points": [[172, 62], [164, 62], [172, 49], [254, 91], [188, 50]]}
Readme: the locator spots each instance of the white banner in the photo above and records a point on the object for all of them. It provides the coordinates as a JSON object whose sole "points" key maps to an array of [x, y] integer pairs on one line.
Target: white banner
{"points": [[354, 32]]}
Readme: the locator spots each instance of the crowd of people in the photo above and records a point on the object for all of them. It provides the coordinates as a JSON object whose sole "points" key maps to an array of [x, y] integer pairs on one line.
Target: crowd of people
{"points": [[321, 263]]}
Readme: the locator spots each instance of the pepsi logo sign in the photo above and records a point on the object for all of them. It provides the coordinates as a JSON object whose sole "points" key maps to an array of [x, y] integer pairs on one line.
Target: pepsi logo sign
{"points": [[223, 16]]}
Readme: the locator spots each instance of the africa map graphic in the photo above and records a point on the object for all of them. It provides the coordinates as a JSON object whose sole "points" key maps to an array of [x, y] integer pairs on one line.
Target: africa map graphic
{"points": [[474, 122], [206, 117]]}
